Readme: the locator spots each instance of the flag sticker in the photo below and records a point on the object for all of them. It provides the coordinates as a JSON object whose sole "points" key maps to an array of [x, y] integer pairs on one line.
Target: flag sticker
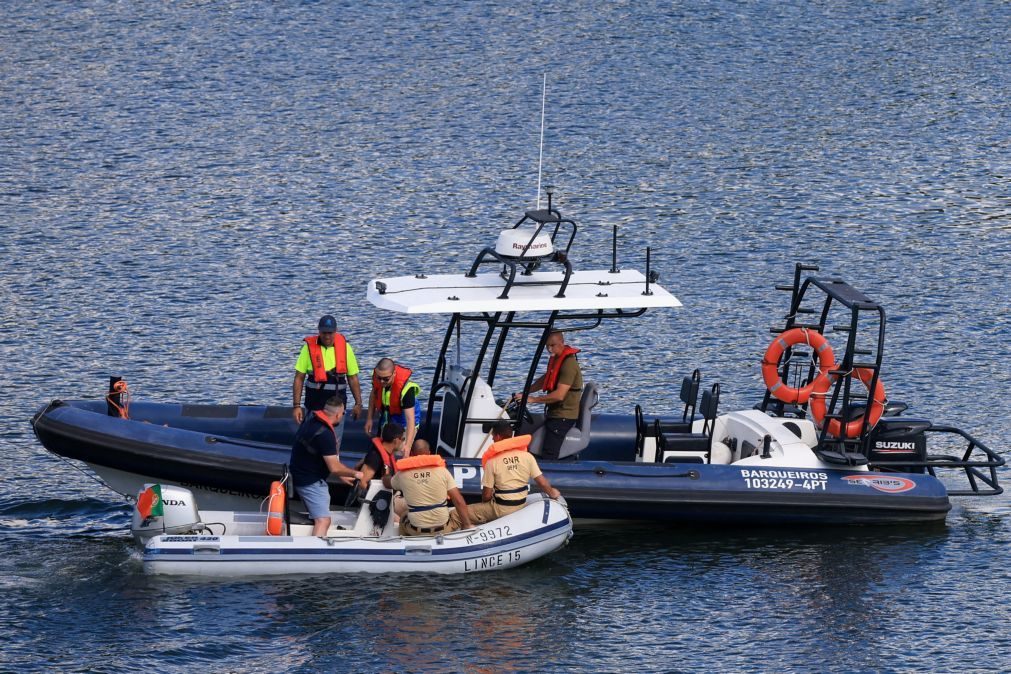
{"points": [[149, 503]]}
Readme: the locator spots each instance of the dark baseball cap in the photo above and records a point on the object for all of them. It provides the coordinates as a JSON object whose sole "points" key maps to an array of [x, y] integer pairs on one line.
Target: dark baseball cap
{"points": [[328, 324]]}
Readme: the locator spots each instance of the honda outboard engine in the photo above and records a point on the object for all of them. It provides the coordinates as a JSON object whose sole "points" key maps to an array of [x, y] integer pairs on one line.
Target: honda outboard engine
{"points": [[164, 509], [898, 438]]}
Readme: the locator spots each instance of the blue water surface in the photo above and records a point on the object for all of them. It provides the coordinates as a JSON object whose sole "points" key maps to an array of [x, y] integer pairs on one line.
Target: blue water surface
{"points": [[185, 187]]}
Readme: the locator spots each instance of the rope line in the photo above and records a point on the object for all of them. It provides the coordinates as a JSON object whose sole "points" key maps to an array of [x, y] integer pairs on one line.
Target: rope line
{"points": [[129, 499]]}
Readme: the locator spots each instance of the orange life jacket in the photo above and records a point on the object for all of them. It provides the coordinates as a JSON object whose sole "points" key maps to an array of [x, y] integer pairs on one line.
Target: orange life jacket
{"points": [[326, 421], [340, 353], [518, 443], [400, 376], [422, 461], [387, 457], [555, 366]]}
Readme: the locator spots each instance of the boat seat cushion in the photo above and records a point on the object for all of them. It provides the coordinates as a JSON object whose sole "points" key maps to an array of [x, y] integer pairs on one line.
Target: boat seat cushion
{"points": [[578, 436], [679, 457], [686, 442], [674, 427]]}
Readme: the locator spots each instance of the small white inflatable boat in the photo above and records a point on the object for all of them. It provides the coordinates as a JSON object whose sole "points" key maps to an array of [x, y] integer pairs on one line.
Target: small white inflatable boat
{"points": [[178, 539]]}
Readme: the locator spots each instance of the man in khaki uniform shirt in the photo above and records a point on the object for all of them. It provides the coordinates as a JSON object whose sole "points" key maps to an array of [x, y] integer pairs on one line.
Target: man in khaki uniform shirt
{"points": [[508, 469], [426, 485]]}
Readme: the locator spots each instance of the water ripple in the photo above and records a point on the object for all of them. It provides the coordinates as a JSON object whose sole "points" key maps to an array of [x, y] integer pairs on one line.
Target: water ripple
{"points": [[186, 187]]}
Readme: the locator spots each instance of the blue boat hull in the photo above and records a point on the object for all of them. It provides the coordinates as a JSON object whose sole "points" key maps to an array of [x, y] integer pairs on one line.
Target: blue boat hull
{"points": [[239, 450]]}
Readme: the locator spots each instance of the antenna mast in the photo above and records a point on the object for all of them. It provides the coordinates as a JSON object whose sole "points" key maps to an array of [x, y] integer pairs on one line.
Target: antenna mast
{"points": [[540, 157]]}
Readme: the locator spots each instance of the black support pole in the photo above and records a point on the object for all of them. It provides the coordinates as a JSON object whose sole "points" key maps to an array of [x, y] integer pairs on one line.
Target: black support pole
{"points": [[614, 251], [648, 254]]}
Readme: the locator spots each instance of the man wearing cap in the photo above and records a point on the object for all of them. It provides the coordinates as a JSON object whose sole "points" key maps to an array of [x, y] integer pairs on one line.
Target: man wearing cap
{"points": [[325, 366]]}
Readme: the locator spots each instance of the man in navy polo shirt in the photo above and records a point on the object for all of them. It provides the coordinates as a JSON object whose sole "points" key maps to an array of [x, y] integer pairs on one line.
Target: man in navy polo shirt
{"points": [[314, 457]]}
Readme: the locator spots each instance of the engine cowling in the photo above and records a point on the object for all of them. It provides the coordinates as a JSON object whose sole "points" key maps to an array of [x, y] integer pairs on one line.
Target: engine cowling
{"points": [[164, 509]]}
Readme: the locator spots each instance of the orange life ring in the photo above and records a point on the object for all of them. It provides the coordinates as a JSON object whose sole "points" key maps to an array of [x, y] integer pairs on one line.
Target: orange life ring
{"points": [[770, 364], [853, 428], [275, 509]]}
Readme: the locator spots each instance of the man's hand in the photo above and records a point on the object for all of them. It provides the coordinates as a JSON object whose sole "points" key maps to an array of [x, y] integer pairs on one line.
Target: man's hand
{"points": [[546, 488], [298, 414], [356, 411], [368, 426]]}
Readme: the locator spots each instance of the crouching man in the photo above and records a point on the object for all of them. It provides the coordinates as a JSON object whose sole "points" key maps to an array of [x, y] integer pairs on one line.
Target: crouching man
{"points": [[427, 487]]}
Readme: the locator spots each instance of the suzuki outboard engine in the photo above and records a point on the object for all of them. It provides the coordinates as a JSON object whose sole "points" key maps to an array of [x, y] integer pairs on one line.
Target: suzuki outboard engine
{"points": [[898, 438], [164, 509]]}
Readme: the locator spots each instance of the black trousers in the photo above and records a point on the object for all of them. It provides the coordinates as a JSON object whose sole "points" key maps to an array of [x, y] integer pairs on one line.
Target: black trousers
{"points": [[554, 435]]}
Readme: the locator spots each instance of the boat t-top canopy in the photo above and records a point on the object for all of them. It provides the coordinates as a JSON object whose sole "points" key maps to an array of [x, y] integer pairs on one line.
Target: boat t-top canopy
{"points": [[539, 291], [531, 287]]}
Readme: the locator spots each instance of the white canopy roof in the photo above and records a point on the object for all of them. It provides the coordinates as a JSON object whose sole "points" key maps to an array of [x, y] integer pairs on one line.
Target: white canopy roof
{"points": [[455, 293]]}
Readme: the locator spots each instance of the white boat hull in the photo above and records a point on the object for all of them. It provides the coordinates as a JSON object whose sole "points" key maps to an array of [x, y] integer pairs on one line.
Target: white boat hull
{"points": [[540, 528]]}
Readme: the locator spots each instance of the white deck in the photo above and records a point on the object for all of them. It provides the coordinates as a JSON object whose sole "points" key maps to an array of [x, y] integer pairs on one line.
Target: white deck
{"points": [[587, 290]]}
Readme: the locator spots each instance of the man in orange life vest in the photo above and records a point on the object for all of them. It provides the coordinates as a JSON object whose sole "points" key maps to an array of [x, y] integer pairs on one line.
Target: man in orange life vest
{"points": [[325, 365], [563, 383], [427, 486], [381, 457], [314, 456], [508, 469], [419, 448], [394, 398]]}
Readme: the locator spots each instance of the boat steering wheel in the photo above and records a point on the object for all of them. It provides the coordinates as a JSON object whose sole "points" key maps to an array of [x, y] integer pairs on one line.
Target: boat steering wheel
{"points": [[354, 496], [512, 409]]}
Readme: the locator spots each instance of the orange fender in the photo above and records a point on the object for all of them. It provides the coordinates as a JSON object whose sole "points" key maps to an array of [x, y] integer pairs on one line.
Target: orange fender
{"points": [[275, 509], [770, 364]]}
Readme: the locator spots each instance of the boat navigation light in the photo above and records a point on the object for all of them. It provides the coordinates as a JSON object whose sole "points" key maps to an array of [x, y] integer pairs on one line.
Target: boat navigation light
{"points": [[517, 244]]}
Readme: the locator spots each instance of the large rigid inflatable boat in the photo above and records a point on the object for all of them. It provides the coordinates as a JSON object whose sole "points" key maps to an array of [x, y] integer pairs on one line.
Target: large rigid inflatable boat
{"points": [[824, 445]]}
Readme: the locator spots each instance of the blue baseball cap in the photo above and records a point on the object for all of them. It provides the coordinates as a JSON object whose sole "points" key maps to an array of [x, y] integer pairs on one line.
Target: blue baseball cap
{"points": [[328, 324]]}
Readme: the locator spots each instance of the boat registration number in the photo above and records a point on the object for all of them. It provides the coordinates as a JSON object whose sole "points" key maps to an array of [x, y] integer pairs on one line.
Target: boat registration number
{"points": [[501, 559], [779, 479], [489, 534]]}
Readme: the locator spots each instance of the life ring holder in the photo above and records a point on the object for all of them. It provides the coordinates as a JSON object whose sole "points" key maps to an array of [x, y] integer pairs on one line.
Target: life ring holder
{"points": [[854, 427], [770, 364]]}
